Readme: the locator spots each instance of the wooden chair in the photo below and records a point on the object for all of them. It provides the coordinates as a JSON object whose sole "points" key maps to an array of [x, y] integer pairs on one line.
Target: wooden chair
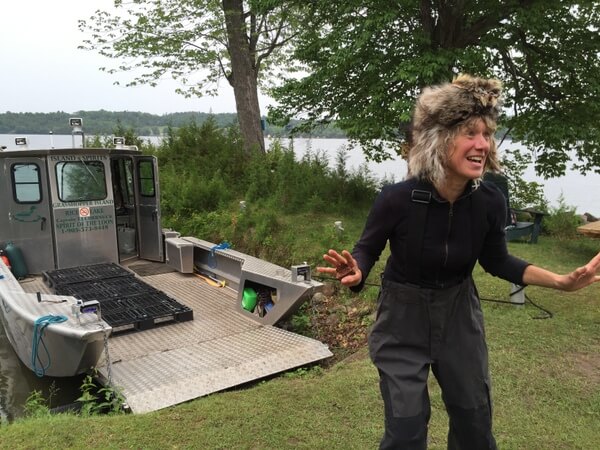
{"points": [[517, 230]]}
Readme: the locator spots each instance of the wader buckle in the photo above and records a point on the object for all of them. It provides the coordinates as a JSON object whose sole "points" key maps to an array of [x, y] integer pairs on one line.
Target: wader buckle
{"points": [[419, 196]]}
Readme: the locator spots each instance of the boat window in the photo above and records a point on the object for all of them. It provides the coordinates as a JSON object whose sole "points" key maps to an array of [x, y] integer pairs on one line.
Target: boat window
{"points": [[26, 183], [80, 180], [146, 171]]}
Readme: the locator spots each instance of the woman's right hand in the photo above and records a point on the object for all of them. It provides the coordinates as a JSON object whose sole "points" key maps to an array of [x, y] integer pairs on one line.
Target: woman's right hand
{"points": [[344, 267]]}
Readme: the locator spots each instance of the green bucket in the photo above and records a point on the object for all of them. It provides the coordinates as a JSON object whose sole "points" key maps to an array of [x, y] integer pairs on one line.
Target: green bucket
{"points": [[249, 299]]}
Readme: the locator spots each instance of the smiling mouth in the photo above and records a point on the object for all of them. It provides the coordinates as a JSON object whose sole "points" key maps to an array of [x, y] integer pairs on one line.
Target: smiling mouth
{"points": [[475, 159]]}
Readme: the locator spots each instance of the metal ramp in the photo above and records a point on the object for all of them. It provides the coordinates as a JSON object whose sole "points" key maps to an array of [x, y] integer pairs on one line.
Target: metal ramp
{"points": [[219, 349]]}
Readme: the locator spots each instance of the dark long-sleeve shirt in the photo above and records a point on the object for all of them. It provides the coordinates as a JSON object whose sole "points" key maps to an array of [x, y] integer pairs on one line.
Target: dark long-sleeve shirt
{"points": [[450, 246]]}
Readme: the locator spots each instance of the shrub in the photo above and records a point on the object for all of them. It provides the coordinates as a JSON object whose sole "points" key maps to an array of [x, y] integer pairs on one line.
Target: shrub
{"points": [[99, 400], [205, 174], [36, 405], [562, 222]]}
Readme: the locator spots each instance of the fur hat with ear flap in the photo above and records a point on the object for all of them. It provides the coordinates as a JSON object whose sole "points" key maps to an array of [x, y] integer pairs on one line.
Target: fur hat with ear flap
{"points": [[440, 110]]}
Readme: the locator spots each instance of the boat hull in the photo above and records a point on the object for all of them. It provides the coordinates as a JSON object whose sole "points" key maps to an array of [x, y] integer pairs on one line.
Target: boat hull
{"points": [[65, 349]]}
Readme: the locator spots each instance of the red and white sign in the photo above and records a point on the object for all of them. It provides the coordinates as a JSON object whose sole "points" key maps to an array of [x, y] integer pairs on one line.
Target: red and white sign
{"points": [[84, 212]]}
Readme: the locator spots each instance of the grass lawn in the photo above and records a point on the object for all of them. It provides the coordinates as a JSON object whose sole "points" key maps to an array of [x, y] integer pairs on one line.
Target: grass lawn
{"points": [[545, 374]]}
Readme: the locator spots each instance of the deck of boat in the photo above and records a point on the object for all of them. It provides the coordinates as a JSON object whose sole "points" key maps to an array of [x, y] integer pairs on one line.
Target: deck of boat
{"points": [[219, 349]]}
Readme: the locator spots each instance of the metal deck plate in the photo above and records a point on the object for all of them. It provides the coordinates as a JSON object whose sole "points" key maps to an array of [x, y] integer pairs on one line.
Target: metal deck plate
{"points": [[217, 350]]}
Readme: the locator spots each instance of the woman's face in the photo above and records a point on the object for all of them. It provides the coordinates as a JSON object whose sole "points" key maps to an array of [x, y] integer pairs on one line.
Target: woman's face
{"points": [[468, 153]]}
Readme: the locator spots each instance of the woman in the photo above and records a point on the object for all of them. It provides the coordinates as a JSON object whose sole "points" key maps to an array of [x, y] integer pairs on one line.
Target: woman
{"points": [[439, 222]]}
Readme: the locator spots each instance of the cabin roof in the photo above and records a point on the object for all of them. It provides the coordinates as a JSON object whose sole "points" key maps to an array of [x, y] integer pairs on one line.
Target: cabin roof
{"points": [[67, 151]]}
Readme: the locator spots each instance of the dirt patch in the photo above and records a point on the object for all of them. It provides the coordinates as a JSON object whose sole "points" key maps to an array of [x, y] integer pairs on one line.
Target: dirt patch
{"points": [[587, 365], [343, 326], [359, 355]]}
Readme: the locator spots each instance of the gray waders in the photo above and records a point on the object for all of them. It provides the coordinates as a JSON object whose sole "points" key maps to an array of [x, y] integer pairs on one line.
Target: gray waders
{"points": [[417, 329]]}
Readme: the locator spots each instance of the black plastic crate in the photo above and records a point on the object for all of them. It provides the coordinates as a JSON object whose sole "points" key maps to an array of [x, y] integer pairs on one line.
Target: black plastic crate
{"points": [[118, 314], [127, 302], [103, 290], [144, 311], [59, 277], [158, 304]]}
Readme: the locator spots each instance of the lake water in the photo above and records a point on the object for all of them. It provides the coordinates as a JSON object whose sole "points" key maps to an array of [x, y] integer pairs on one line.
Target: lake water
{"points": [[578, 191], [17, 382]]}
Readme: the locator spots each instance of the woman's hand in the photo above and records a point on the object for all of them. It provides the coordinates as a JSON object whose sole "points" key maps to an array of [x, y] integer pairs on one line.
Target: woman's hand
{"points": [[344, 267], [578, 279], [582, 276]]}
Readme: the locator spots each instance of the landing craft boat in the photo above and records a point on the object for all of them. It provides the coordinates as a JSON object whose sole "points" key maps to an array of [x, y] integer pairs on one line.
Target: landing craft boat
{"points": [[96, 284]]}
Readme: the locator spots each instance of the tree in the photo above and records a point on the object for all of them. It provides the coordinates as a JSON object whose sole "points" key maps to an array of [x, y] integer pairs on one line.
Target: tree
{"points": [[365, 62], [197, 42]]}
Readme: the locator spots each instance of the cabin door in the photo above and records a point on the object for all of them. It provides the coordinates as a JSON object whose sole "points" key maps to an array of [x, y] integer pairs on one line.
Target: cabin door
{"points": [[83, 209], [125, 206], [26, 221], [147, 196]]}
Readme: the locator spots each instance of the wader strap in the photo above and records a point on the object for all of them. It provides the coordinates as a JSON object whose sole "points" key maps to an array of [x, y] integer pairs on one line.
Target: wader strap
{"points": [[420, 198]]}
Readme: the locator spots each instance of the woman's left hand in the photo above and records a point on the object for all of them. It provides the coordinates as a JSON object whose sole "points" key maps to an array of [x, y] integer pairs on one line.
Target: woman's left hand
{"points": [[582, 276], [578, 279]]}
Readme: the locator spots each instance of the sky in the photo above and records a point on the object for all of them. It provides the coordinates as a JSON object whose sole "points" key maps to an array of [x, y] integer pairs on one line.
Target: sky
{"points": [[43, 71]]}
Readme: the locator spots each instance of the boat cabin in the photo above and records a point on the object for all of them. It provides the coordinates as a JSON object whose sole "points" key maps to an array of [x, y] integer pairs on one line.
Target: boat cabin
{"points": [[70, 207]]}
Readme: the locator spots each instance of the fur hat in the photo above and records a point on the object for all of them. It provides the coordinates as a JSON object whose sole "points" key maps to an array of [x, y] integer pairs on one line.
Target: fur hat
{"points": [[449, 104], [439, 110]]}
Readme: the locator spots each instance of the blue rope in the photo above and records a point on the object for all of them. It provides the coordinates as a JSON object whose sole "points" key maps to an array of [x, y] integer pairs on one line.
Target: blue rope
{"points": [[39, 326], [212, 260]]}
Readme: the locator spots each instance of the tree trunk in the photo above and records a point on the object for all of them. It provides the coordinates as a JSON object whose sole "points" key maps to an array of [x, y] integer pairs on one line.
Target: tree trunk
{"points": [[244, 76]]}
